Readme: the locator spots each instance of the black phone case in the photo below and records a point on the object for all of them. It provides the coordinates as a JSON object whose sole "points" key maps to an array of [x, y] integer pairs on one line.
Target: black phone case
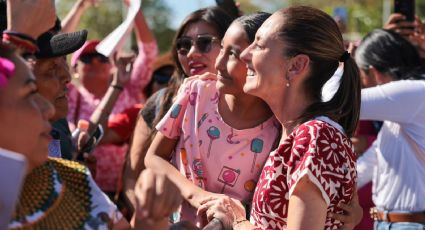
{"points": [[405, 7], [229, 6]]}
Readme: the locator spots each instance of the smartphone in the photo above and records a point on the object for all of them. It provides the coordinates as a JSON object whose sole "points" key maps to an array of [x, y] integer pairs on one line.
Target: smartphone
{"points": [[13, 167], [229, 6], [92, 142], [405, 7]]}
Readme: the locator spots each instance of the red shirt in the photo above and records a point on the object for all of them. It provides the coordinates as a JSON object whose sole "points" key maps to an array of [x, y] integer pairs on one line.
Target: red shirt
{"points": [[314, 149]]}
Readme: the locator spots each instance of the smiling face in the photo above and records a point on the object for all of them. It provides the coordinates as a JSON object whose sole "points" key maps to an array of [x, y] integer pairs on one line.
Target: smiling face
{"points": [[231, 70], [52, 77], [24, 116], [195, 62], [267, 66]]}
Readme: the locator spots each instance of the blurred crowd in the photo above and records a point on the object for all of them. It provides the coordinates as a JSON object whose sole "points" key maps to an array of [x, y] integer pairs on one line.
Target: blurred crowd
{"points": [[249, 121]]}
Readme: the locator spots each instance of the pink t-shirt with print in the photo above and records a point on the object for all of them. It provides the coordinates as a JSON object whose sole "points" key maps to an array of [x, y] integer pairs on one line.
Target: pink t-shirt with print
{"points": [[314, 149], [210, 153], [110, 158]]}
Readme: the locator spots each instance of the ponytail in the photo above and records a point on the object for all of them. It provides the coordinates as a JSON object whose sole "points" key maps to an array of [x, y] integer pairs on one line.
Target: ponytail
{"points": [[344, 107]]}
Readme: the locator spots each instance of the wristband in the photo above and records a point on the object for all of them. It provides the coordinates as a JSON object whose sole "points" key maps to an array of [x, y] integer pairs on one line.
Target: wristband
{"points": [[117, 87], [237, 222], [22, 41], [20, 35]]}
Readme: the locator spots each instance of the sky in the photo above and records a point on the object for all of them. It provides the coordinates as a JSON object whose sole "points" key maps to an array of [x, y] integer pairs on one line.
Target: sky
{"points": [[181, 8]]}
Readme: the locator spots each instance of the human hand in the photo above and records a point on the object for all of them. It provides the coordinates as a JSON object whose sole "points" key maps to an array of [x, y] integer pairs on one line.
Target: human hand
{"points": [[223, 208], [90, 162], [204, 77], [353, 213], [397, 23], [124, 66], [85, 4], [417, 39], [156, 196], [360, 144], [31, 17]]}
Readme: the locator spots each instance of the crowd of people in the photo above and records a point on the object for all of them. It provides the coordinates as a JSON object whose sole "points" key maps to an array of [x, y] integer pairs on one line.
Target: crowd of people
{"points": [[256, 121]]}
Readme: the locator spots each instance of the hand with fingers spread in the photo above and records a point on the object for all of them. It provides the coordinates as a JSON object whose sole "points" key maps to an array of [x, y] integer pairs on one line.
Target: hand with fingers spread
{"points": [[156, 196], [204, 77], [353, 213], [227, 210], [19, 11], [124, 67]]}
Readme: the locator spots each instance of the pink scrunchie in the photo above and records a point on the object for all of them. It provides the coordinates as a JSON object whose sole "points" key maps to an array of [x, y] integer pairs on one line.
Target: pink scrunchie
{"points": [[7, 70]]}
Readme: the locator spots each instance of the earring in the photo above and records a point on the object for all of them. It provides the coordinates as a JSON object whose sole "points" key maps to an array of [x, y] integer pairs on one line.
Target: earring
{"points": [[287, 82]]}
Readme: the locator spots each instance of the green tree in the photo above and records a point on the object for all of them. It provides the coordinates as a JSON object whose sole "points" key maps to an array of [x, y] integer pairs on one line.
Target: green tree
{"points": [[103, 19], [363, 15]]}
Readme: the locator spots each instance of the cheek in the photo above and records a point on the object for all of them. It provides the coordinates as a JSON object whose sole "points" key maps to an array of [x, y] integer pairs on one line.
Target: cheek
{"points": [[49, 89], [212, 56], [238, 72], [184, 63]]}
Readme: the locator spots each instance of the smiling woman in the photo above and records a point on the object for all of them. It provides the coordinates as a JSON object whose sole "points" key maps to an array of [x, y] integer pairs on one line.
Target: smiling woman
{"points": [[24, 118], [233, 131]]}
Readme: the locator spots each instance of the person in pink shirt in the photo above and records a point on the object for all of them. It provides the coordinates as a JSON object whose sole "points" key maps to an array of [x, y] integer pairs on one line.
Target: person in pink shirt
{"points": [[313, 171], [217, 136], [94, 73]]}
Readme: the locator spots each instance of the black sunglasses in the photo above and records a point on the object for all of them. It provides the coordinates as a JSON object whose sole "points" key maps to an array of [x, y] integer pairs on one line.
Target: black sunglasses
{"points": [[202, 42], [88, 58]]}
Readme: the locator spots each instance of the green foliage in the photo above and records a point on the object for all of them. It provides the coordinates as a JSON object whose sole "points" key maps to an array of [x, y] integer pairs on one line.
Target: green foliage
{"points": [[103, 19]]}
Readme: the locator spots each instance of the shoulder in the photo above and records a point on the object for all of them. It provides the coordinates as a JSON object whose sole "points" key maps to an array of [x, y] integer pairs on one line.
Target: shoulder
{"points": [[394, 88], [320, 133]]}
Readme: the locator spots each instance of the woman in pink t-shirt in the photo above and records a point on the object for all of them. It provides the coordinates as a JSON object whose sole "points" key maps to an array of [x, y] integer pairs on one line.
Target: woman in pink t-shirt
{"points": [[313, 171], [217, 136]]}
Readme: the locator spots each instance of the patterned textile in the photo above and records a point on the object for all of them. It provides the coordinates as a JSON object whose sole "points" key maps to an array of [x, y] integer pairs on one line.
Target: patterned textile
{"points": [[110, 158], [210, 153], [314, 149], [62, 195]]}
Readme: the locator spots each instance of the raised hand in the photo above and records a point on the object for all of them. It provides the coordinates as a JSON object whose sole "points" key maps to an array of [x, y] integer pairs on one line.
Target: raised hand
{"points": [[31, 17], [124, 66], [397, 23]]}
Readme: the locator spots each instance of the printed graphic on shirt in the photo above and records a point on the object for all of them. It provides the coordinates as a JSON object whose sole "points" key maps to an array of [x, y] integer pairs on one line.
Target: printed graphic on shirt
{"points": [[213, 133], [228, 176]]}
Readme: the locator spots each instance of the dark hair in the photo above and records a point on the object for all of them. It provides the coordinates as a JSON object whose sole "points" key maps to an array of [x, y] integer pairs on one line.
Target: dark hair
{"points": [[309, 31], [214, 16], [389, 52], [251, 23], [3, 15]]}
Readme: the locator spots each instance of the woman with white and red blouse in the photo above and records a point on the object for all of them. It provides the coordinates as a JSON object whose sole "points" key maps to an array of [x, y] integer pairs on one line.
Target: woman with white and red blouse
{"points": [[313, 171]]}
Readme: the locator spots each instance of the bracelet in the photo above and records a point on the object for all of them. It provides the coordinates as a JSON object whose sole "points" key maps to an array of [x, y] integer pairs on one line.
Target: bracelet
{"points": [[20, 40], [20, 35], [118, 87], [237, 222]]}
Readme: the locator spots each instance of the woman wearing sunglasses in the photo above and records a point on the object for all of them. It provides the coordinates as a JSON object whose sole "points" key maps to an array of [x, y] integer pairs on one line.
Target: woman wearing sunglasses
{"points": [[207, 23], [217, 136]]}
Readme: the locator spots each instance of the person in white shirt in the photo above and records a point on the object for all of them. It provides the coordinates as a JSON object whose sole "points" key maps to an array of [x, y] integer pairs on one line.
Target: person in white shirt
{"points": [[396, 161]]}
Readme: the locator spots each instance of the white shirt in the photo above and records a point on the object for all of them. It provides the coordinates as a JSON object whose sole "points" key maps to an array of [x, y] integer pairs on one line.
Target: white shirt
{"points": [[397, 172]]}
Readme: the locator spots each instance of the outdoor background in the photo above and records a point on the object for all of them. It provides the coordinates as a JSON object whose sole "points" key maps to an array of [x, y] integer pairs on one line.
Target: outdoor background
{"points": [[164, 16]]}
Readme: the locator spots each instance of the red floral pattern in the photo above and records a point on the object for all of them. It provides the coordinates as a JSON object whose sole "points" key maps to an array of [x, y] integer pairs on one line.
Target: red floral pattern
{"points": [[315, 149]]}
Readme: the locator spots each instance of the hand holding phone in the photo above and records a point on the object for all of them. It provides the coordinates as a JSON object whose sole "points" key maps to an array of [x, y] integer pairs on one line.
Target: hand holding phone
{"points": [[406, 8], [229, 6]]}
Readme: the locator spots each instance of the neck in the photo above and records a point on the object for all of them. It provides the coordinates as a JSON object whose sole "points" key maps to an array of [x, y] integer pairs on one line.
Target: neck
{"points": [[289, 110], [243, 111]]}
